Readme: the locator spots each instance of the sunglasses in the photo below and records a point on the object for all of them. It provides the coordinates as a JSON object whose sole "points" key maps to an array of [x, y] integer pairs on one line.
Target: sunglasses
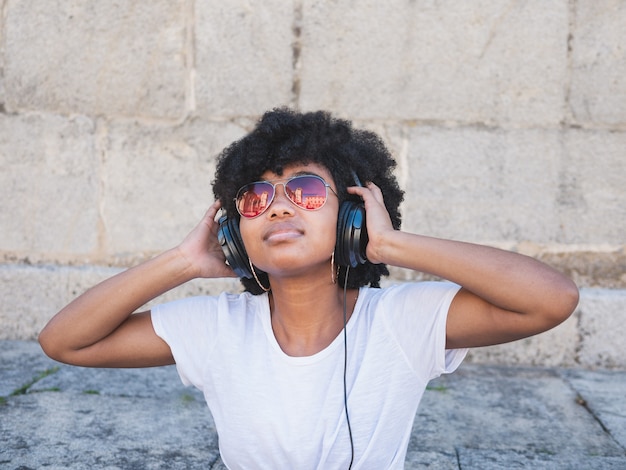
{"points": [[308, 192]]}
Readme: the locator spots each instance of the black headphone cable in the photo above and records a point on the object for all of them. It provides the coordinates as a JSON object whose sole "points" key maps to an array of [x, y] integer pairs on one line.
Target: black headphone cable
{"points": [[345, 363]]}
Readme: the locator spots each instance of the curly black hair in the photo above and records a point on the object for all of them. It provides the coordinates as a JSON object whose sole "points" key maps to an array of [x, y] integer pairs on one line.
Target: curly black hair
{"points": [[284, 137]]}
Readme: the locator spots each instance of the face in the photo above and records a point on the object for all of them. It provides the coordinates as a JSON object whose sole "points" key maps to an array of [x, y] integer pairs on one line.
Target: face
{"points": [[287, 239]]}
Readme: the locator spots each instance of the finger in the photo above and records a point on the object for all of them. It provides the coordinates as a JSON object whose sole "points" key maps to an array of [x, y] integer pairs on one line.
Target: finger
{"points": [[358, 190], [376, 191], [370, 190], [212, 210]]}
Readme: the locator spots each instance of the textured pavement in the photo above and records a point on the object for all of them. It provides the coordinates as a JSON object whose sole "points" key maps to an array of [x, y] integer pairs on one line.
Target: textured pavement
{"points": [[55, 416]]}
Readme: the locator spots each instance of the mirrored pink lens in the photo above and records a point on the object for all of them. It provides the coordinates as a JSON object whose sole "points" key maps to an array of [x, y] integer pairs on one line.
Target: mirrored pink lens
{"points": [[254, 198], [308, 192]]}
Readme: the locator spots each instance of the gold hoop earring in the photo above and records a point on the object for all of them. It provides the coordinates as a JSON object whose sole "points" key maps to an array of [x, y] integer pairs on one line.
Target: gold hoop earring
{"points": [[256, 278], [334, 273]]}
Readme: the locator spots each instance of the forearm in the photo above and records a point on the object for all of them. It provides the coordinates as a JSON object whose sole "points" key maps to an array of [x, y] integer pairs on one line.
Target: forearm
{"points": [[507, 280], [103, 308]]}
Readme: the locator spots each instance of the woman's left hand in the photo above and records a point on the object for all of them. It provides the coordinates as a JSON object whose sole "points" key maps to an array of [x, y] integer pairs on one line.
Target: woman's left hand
{"points": [[376, 217]]}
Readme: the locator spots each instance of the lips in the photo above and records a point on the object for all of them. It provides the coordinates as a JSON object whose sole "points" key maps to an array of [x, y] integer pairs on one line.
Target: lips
{"points": [[282, 231]]}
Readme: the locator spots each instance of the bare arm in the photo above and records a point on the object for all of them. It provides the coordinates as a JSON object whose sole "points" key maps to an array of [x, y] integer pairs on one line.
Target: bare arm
{"points": [[98, 328], [505, 296]]}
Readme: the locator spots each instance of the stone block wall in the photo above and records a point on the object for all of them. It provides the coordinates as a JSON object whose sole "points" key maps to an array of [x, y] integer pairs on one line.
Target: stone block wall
{"points": [[508, 121]]}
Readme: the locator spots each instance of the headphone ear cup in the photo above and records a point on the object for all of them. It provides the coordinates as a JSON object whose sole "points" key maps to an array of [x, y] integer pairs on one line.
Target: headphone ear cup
{"points": [[229, 237], [351, 235]]}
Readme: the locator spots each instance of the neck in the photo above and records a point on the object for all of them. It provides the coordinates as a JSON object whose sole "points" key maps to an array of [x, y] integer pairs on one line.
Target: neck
{"points": [[308, 316]]}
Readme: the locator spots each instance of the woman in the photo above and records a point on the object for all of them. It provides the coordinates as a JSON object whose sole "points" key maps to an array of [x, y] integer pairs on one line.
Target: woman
{"points": [[309, 367]]}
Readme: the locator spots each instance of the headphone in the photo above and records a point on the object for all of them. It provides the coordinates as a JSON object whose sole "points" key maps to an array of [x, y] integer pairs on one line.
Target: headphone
{"points": [[349, 248]]}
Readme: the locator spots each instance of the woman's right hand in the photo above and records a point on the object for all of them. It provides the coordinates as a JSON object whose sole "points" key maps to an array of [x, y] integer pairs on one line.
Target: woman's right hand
{"points": [[202, 250]]}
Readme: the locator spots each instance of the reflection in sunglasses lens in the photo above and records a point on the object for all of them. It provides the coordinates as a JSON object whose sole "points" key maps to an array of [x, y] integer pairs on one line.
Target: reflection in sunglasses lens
{"points": [[306, 192], [254, 198]]}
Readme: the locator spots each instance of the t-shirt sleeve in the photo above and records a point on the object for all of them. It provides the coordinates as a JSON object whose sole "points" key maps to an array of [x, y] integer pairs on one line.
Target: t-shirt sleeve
{"points": [[189, 328], [416, 315]]}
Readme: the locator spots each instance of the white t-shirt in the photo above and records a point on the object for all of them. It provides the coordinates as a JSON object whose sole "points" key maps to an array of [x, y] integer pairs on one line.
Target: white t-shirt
{"points": [[275, 411]]}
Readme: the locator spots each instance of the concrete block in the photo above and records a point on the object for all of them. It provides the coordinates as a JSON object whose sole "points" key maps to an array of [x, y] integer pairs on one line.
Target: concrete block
{"points": [[602, 317], [243, 56], [49, 185], [556, 347], [481, 61], [29, 298], [591, 337], [31, 295], [157, 182], [598, 90], [97, 57], [604, 266], [482, 185], [592, 201], [492, 185]]}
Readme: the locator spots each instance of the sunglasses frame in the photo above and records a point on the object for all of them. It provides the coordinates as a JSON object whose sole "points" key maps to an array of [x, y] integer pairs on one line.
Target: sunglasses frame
{"points": [[272, 183]]}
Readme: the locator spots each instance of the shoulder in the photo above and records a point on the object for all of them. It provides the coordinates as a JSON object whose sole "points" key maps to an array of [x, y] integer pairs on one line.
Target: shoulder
{"points": [[411, 295], [408, 306], [202, 312]]}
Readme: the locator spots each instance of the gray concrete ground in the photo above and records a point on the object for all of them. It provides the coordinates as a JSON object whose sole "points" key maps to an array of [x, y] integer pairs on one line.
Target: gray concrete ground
{"points": [[481, 417]]}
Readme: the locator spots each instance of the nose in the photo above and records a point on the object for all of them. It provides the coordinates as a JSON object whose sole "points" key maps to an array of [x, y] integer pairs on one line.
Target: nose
{"points": [[281, 204]]}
